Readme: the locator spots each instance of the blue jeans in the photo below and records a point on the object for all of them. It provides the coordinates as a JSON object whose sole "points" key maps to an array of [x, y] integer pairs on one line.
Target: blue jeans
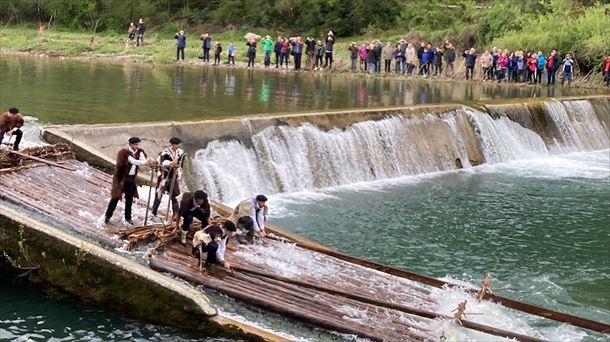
{"points": [[267, 58], [354, 63]]}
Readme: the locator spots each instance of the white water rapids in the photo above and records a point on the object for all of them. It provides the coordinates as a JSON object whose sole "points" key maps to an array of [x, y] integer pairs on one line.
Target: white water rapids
{"points": [[296, 159]]}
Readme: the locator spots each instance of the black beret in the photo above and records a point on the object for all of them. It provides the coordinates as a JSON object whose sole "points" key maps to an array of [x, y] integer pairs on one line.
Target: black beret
{"points": [[134, 140], [261, 198], [175, 141]]}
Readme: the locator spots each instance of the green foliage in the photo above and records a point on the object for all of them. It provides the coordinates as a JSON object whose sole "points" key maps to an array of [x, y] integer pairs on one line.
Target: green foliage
{"points": [[580, 26]]}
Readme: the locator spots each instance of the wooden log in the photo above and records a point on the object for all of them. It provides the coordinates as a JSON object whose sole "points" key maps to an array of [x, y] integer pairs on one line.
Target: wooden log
{"points": [[50, 163]]}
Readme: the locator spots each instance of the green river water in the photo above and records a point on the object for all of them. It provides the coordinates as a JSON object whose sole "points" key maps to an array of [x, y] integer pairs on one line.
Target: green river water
{"points": [[540, 226]]}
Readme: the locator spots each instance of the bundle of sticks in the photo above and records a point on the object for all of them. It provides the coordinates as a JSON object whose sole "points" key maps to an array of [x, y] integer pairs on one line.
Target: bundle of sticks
{"points": [[8, 159]]}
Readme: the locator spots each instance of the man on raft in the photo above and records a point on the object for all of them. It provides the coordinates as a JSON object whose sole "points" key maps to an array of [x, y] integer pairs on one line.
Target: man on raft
{"points": [[170, 161], [256, 209], [10, 124], [193, 205], [128, 162]]}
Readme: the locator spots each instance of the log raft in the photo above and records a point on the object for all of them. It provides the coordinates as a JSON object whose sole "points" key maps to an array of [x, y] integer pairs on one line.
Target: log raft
{"points": [[320, 286]]}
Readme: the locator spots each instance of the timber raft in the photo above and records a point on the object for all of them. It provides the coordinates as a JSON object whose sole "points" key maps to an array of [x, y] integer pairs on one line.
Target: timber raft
{"points": [[285, 274]]}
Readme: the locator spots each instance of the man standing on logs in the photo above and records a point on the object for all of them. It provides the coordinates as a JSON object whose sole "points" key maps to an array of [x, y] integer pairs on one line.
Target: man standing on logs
{"points": [[128, 162], [193, 205], [10, 124], [170, 161], [256, 208]]}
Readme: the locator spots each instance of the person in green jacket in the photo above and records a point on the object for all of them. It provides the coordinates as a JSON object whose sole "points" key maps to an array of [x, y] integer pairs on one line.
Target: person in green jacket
{"points": [[267, 49]]}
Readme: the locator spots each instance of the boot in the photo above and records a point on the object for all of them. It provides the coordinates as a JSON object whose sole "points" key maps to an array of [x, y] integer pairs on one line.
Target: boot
{"points": [[183, 238]]}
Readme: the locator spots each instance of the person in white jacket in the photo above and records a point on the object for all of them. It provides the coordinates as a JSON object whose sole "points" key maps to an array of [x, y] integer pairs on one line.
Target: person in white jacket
{"points": [[255, 208]]}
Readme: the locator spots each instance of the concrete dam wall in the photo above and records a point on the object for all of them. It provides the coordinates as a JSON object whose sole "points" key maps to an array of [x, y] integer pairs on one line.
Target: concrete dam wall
{"points": [[231, 159]]}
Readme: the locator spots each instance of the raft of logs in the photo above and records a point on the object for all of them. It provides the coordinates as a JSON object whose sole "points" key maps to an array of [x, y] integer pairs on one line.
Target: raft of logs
{"points": [[323, 288]]}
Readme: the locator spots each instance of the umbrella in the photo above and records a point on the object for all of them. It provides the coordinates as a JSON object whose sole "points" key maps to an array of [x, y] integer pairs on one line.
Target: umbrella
{"points": [[251, 35]]}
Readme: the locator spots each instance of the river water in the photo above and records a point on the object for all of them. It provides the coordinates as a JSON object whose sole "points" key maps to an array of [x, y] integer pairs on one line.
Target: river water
{"points": [[59, 91], [536, 217]]}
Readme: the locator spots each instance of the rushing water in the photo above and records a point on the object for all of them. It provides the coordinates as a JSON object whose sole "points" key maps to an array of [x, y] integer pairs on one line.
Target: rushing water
{"points": [[535, 216], [58, 91]]}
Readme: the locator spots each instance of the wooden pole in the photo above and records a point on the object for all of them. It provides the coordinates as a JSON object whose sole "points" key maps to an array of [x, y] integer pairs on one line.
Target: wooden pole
{"points": [[152, 175], [171, 193], [48, 162], [394, 306]]}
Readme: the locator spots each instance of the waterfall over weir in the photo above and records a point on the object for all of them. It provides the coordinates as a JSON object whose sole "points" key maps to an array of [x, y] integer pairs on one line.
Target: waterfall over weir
{"points": [[292, 159]]}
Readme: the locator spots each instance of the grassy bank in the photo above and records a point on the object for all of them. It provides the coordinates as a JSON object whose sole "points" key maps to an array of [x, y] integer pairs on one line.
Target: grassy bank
{"points": [[160, 48]]}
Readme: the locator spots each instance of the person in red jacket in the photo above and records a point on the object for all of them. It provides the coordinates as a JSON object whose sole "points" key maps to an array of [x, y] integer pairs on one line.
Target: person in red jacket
{"points": [[532, 67], [606, 70]]}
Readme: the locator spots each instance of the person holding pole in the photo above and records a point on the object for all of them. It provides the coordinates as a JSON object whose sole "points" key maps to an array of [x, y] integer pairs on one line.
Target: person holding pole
{"points": [[10, 124], [128, 163], [170, 161], [193, 205]]}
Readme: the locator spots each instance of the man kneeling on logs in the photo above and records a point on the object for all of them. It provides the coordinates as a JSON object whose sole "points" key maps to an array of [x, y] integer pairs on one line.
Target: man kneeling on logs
{"points": [[193, 205], [255, 208], [10, 124], [213, 241]]}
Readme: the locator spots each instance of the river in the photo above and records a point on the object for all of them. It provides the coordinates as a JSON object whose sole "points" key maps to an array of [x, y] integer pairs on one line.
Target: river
{"points": [[536, 218]]}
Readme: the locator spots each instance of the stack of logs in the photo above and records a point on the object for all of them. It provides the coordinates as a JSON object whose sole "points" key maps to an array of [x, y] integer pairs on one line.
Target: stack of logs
{"points": [[10, 161]]}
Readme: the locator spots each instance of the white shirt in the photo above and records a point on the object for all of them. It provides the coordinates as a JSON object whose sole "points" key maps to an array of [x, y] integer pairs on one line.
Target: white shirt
{"points": [[222, 247], [135, 162]]}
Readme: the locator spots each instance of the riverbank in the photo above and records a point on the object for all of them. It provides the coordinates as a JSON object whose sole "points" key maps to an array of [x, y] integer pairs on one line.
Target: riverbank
{"points": [[160, 50]]}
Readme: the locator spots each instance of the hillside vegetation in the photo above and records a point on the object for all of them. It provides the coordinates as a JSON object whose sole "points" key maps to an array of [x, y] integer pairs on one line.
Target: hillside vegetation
{"points": [[581, 27]]}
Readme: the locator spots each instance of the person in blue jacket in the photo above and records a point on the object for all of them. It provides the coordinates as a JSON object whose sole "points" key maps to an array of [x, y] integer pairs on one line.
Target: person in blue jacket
{"points": [[180, 44]]}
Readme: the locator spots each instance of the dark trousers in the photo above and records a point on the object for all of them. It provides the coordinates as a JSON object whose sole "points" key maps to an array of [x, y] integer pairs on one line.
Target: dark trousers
{"points": [[251, 61], [277, 59], [139, 39], [216, 58], [190, 215], [129, 188], [328, 59], [550, 76], [297, 61], [284, 59], [231, 60], [539, 75], [438, 69], [387, 65], [166, 188], [469, 72], [179, 51], [17, 133], [206, 54], [318, 62]]}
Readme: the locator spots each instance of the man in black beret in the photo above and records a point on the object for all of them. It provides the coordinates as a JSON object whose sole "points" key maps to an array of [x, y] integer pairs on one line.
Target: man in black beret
{"points": [[128, 163], [193, 205], [170, 160]]}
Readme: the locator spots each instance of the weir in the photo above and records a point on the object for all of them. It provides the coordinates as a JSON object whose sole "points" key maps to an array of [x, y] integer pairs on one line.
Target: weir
{"points": [[231, 159]]}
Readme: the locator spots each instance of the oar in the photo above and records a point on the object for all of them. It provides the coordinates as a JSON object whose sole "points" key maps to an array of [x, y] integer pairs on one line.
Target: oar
{"points": [[393, 306], [152, 175], [48, 162]]}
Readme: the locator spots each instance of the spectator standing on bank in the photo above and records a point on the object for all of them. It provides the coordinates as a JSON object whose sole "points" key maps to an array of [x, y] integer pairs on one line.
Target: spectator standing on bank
{"points": [[310, 50], [552, 64], [567, 70], [277, 48], [267, 49], [251, 53], [131, 31], [180, 44], [206, 45], [330, 43], [449, 58], [217, 52], [353, 54], [470, 59], [231, 52], [388, 55], [140, 32], [319, 55]]}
